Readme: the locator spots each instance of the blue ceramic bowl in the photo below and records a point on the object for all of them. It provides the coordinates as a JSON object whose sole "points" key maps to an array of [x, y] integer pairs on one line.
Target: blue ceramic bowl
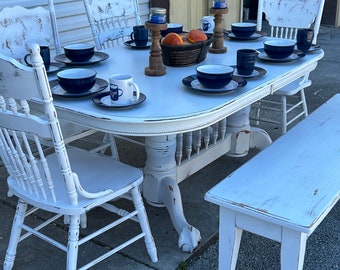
{"points": [[81, 52], [243, 29], [77, 80], [214, 76], [172, 28], [279, 48]]}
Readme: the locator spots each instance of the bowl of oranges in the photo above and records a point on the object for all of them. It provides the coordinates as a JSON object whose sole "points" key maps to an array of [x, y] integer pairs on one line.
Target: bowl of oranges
{"points": [[186, 48]]}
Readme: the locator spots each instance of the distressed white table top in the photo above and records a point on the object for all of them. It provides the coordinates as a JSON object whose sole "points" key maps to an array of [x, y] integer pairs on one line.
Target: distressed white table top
{"points": [[170, 107]]}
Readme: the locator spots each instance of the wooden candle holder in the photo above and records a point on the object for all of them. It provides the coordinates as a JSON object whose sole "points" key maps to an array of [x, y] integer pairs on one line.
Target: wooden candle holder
{"points": [[156, 67], [218, 42]]}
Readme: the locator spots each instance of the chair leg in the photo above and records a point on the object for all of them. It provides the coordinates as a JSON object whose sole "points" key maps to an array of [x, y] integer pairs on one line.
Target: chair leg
{"points": [[73, 244], [258, 111], [229, 240], [284, 114], [15, 234], [293, 247], [113, 146], [144, 224], [304, 103]]}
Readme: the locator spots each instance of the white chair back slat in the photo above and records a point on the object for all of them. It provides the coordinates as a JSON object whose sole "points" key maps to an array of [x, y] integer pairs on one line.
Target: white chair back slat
{"points": [[286, 16], [111, 21], [26, 159], [54, 27], [20, 27]]}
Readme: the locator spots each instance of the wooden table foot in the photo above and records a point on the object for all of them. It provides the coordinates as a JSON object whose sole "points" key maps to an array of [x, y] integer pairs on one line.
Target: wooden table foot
{"points": [[155, 72], [218, 50]]}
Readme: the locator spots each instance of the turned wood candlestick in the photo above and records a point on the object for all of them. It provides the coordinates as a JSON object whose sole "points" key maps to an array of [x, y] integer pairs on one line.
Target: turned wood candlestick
{"points": [[218, 42], [155, 67]]}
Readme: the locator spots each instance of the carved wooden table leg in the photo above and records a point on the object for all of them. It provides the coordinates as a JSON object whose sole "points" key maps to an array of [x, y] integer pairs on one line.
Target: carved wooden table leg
{"points": [[217, 45], [155, 67], [161, 189]]}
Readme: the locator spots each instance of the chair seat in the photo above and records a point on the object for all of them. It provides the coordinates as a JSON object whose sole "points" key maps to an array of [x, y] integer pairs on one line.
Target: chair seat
{"points": [[89, 168], [293, 87]]}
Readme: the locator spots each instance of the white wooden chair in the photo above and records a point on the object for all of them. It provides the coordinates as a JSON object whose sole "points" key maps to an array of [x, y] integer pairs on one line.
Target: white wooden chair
{"points": [[111, 20], [68, 182], [285, 17], [20, 27], [111, 23]]}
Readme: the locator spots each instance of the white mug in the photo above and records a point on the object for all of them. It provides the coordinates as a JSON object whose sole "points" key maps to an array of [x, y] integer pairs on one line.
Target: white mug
{"points": [[123, 90], [207, 24]]}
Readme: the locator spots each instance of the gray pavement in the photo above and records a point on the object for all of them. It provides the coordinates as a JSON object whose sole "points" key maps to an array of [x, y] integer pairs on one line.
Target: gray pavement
{"points": [[323, 247]]}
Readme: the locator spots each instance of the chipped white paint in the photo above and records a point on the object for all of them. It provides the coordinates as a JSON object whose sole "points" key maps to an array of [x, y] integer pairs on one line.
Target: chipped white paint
{"points": [[72, 21], [111, 20], [277, 195], [20, 26], [290, 14]]}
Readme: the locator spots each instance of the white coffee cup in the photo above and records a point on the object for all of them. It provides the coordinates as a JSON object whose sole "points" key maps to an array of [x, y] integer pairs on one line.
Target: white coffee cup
{"points": [[123, 90], [207, 24]]}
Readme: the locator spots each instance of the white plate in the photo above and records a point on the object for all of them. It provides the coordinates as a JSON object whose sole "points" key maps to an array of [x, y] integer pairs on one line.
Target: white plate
{"points": [[294, 56]]}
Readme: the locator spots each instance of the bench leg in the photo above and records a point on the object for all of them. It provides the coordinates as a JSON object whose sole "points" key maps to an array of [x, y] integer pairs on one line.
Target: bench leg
{"points": [[293, 247], [229, 240]]}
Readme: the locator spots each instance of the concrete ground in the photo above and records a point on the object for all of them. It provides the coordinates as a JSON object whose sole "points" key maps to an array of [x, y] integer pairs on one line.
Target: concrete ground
{"points": [[323, 248]]}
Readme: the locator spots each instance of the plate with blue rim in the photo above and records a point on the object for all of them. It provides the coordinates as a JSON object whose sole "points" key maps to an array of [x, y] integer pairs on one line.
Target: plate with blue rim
{"points": [[193, 83], [104, 100], [96, 58], [58, 91], [257, 72], [55, 67], [293, 57], [313, 48], [132, 44], [256, 35]]}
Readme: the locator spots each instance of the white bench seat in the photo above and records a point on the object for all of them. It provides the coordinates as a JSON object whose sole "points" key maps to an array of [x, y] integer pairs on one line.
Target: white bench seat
{"points": [[285, 191]]}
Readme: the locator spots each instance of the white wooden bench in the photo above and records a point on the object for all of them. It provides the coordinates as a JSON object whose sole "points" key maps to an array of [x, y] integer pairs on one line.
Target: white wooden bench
{"points": [[285, 191]]}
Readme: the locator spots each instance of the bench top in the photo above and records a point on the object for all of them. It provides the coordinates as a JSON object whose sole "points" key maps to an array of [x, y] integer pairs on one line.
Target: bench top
{"points": [[295, 181]]}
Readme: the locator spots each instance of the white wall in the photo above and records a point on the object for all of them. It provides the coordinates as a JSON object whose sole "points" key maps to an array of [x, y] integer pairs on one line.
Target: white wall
{"points": [[72, 21]]}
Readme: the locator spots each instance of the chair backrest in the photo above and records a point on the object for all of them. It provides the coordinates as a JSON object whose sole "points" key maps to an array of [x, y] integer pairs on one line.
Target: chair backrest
{"points": [[286, 16], [111, 20], [19, 27], [20, 131]]}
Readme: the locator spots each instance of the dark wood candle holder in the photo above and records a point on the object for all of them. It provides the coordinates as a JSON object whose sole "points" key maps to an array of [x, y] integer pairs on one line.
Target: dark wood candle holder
{"points": [[218, 42], [156, 67]]}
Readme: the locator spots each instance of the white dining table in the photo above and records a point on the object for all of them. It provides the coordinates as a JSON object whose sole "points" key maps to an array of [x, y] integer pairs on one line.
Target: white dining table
{"points": [[172, 109]]}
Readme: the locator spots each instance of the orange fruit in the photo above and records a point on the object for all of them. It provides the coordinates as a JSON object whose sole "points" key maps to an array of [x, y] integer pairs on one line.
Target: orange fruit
{"points": [[172, 39], [196, 35]]}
